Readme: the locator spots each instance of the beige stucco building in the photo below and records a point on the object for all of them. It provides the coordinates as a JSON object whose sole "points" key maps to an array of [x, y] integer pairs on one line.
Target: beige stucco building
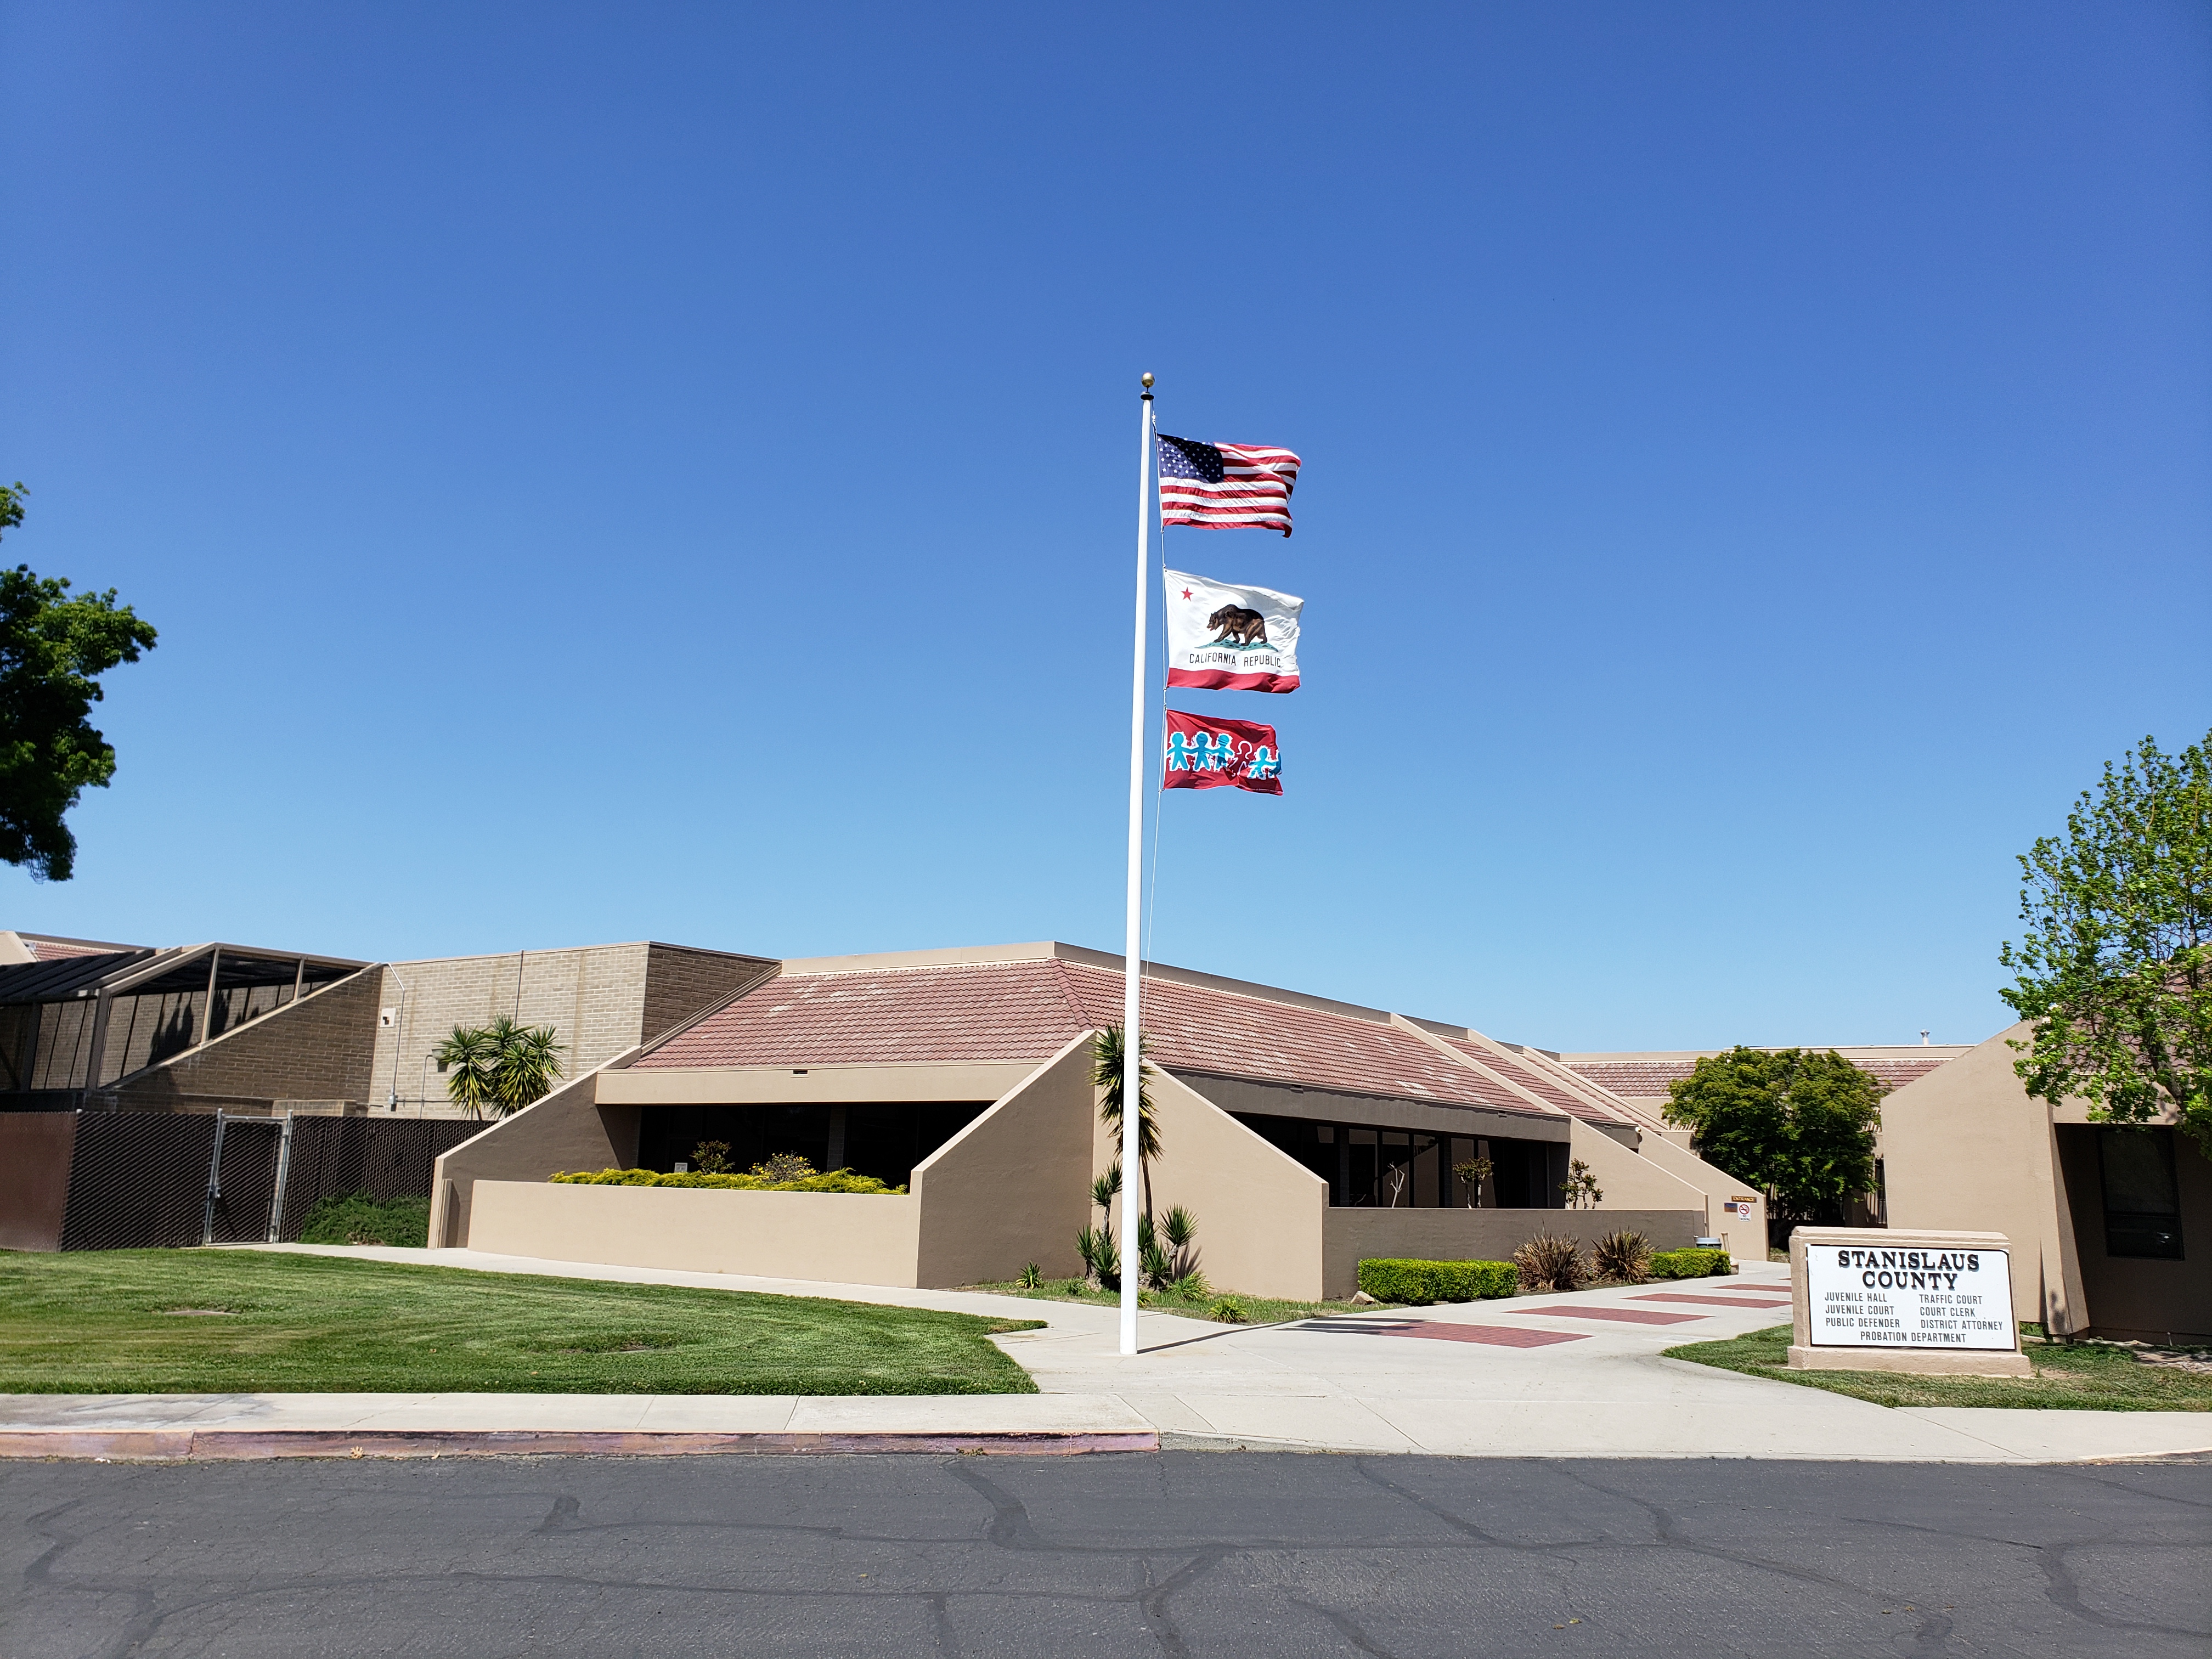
{"points": [[1304, 1132], [2112, 1228]]}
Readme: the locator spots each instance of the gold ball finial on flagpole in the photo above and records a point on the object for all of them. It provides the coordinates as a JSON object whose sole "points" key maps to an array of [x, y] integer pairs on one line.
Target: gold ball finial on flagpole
{"points": [[1147, 378]]}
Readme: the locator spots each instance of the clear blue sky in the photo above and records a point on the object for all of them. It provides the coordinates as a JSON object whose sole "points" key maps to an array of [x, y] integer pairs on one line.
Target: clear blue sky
{"points": [[666, 471]]}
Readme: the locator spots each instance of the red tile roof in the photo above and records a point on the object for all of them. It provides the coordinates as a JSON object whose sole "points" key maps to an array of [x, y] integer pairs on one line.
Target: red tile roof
{"points": [[1027, 1010], [1516, 1070], [1000, 1010], [1647, 1080]]}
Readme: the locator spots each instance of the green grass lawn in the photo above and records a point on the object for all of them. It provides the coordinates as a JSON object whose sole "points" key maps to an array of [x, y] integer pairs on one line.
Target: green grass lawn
{"points": [[1257, 1309], [116, 1322], [2071, 1377]]}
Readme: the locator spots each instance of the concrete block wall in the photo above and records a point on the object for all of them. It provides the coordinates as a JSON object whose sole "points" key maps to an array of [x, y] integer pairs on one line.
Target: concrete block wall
{"points": [[601, 999]]}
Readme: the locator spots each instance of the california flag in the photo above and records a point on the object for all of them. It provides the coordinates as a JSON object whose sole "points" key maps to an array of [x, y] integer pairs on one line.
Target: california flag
{"points": [[1231, 639]]}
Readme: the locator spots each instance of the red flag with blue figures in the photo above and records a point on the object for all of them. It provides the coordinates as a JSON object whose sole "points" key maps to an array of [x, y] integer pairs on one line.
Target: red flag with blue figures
{"points": [[1208, 753]]}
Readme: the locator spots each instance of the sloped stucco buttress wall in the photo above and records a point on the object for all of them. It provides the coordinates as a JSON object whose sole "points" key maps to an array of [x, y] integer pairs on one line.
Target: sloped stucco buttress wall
{"points": [[1964, 1149], [1259, 1212], [1013, 1186], [566, 1130]]}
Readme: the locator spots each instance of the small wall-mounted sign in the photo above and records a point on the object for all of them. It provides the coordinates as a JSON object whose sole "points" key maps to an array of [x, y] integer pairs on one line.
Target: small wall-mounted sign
{"points": [[386, 1018]]}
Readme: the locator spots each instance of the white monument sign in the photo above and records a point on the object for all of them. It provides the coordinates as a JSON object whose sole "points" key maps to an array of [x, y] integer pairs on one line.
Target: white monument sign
{"points": [[1959, 1297], [1873, 1299]]}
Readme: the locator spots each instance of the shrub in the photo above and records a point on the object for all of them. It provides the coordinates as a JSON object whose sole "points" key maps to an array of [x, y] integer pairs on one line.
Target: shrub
{"points": [[1032, 1277], [1548, 1262], [1624, 1256], [361, 1219], [1227, 1310], [1418, 1283], [1690, 1264], [837, 1180], [711, 1157], [780, 1167]]}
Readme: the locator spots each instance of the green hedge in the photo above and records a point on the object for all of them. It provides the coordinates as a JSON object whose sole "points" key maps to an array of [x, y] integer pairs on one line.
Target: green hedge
{"points": [[361, 1219], [837, 1180], [1422, 1282], [1690, 1264]]}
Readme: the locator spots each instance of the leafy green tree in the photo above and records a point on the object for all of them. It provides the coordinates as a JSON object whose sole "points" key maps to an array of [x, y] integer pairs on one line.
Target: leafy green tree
{"points": [[1581, 1188], [2116, 970], [1798, 1122], [1106, 1050], [1472, 1173], [53, 649], [499, 1068]]}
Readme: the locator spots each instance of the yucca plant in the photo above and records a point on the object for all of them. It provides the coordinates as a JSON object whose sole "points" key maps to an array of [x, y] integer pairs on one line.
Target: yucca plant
{"points": [[1548, 1262], [1157, 1271], [1624, 1256], [1181, 1227], [1102, 1258]]}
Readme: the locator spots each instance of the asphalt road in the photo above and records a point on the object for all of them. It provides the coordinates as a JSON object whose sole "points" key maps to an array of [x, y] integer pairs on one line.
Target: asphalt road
{"points": [[1179, 1553]]}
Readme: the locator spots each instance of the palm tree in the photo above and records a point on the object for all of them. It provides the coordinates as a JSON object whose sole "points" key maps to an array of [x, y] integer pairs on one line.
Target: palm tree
{"points": [[469, 1060], [1106, 1075], [504, 1067], [529, 1063]]}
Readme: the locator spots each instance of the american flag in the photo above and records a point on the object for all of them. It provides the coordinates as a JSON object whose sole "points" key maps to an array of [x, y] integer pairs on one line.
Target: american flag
{"points": [[1222, 486]]}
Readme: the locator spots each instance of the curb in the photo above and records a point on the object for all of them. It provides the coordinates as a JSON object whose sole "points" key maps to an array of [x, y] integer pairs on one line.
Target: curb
{"points": [[217, 1445]]}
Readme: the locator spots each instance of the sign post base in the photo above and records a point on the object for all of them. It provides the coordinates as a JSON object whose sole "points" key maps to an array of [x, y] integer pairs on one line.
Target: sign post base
{"points": [[1928, 1362]]}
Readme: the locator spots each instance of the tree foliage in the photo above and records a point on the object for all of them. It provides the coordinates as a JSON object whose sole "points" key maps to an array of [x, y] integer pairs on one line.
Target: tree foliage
{"points": [[1798, 1122], [53, 648], [2115, 972]]}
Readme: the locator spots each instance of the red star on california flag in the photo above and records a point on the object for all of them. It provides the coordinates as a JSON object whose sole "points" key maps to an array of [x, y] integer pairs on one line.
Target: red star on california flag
{"points": [[1185, 593]]}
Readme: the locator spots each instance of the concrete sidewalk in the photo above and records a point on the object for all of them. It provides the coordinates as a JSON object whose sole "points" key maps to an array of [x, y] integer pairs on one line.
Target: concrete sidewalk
{"points": [[1579, 1374]]}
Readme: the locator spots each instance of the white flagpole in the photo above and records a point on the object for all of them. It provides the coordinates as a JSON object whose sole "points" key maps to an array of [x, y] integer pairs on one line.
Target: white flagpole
{"points": [[1132, 1038]]}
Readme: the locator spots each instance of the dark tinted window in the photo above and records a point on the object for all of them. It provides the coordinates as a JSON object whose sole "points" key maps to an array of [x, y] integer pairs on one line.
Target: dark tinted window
{"points": [[2142, 1204]]}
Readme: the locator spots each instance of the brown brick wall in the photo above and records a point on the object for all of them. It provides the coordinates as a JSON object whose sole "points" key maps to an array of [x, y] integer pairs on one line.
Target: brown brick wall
{"points": [[680, 981], [316, 1049]]}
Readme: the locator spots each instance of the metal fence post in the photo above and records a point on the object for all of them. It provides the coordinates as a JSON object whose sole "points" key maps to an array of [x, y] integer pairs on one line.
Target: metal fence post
{"points": [[283, 1174]]}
